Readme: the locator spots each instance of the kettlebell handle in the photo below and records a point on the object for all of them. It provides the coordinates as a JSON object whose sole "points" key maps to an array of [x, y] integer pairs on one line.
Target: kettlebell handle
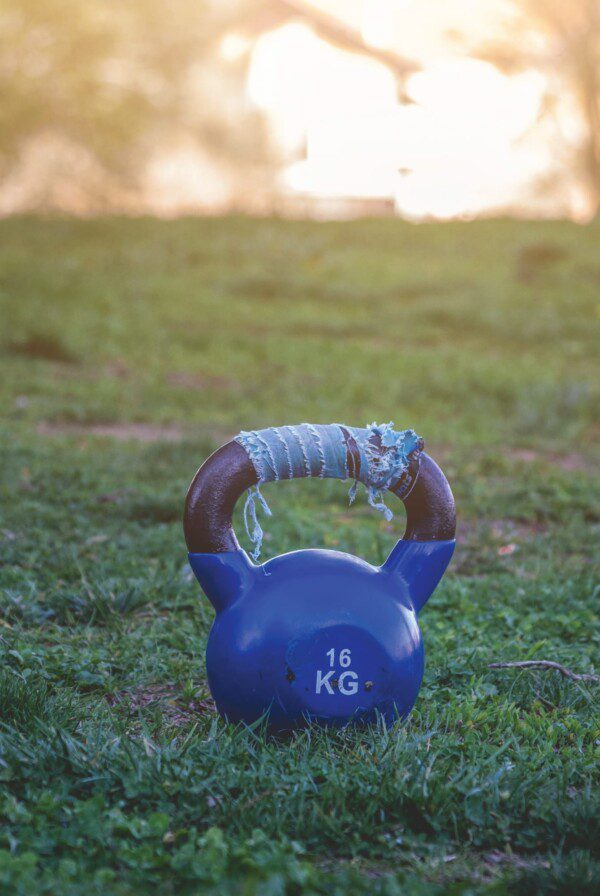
{"points": [[229, 472]]}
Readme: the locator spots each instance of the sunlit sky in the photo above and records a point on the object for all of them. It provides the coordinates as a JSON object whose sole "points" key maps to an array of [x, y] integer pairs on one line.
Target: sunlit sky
{"points": [[465, 144]]}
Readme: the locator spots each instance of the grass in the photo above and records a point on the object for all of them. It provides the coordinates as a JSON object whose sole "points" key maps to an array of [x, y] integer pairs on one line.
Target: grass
{"points": [[131, 349]]}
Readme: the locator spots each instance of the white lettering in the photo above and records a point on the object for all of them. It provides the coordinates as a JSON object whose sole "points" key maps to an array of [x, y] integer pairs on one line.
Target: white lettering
{"points": [[352, 688], [323, 680]]}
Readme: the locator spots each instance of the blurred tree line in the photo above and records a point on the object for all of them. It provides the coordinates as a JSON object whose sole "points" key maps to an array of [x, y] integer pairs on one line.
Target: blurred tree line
{"points": [[116, 82], [104, 85], [561, 39]]}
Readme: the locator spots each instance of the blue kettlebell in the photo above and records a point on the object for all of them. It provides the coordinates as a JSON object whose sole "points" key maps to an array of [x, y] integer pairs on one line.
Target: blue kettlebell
{"points": [[318, 635]]}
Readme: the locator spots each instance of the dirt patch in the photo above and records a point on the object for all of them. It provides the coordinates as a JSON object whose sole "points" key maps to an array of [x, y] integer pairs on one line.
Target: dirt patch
{"points": [[42, 347], [572, 461], [200, 382], [122, 432], [500, 530], [175, 709], [119, 496], [537, 259], [487, 542], [117, 370], [496, 858], [472, 531]]}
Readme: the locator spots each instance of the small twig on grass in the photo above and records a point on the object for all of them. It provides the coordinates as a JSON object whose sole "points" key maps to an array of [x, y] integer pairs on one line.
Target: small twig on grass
{"points": [[546, 664]]}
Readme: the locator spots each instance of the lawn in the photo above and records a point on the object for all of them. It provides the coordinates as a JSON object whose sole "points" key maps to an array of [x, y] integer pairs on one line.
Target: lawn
{"points": [[130, 350]]}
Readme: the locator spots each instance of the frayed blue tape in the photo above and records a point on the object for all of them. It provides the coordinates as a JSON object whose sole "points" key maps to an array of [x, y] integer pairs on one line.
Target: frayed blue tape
{"points": [[381, 456], [253, 527]]}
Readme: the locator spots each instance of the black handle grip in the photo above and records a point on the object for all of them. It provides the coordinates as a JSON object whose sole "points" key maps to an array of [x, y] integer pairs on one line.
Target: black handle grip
{"points": [[226, 474]]}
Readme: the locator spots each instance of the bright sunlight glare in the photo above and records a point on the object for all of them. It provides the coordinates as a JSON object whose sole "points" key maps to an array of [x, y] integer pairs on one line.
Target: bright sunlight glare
{"points": [[462, 145]]}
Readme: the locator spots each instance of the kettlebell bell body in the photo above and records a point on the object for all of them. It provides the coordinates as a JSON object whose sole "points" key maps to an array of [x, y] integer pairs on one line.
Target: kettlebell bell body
{"points": [[315, 635]]}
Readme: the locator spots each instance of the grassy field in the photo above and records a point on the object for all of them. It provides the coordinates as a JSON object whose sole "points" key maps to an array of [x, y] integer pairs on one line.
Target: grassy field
{"points": [[130, 350]]}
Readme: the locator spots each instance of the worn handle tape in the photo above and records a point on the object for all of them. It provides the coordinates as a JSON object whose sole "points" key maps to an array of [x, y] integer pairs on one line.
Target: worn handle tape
{"points": [[290, 452]]}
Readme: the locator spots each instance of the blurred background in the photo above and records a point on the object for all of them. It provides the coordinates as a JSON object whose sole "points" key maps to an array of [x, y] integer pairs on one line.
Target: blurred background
{"points": [[177, 263], [317, 108]]}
